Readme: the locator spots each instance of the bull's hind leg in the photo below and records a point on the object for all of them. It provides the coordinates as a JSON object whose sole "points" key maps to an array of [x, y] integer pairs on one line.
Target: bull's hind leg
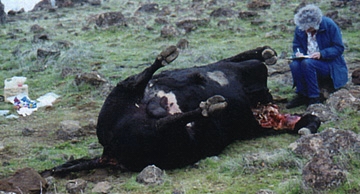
{"points": [[265, 54], [168, 55], [140, 80], [206, 108]]}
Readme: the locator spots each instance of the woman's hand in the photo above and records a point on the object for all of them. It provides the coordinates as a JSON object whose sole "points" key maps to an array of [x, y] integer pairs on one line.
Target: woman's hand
{"points": [[315, 55], [298, 53]]}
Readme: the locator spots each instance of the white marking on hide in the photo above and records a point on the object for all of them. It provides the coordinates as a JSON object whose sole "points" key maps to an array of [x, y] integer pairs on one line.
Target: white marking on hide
{"points": [[172, 105], [219, 77], [189, 125]]}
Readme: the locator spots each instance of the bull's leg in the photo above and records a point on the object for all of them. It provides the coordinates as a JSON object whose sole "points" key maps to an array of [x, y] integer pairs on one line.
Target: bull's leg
{"points": [[140, 80], [265, 54], [128, 93], [212, 104], [205, 109], [308, 124], [73, 166]]}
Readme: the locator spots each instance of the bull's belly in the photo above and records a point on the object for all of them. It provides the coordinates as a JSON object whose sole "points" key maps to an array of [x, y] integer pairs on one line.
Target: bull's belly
{"points": [[173, 150]]}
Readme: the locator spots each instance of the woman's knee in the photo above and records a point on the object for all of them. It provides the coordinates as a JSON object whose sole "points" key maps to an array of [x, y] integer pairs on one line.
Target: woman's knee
{"points": [[294, 65], [307, 63]]}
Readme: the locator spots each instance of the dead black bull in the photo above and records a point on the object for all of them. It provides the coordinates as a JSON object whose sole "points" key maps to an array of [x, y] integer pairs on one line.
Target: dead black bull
{"points": [[177, 117]]}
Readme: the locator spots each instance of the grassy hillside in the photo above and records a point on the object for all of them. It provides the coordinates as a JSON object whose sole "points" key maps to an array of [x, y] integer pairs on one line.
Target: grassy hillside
{"points": [[117, 52]]}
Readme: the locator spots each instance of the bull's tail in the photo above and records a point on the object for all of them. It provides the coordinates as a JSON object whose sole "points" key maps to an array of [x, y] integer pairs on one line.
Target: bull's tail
{"points": [[74, 166]]}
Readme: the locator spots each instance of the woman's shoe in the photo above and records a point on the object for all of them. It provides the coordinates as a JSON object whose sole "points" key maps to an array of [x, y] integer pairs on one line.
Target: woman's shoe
{"points": [[314, 101], [299, 100]]}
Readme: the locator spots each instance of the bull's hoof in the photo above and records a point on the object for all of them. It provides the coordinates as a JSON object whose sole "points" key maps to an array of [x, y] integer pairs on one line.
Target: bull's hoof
{"points": [[269, 56], [212, 104], [168, 55], [304, 131]]}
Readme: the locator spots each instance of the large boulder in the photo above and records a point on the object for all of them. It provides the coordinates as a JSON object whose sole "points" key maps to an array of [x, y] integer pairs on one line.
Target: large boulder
{"points": [[42, 5], [25, 180], [48, 4], [322, 171]]}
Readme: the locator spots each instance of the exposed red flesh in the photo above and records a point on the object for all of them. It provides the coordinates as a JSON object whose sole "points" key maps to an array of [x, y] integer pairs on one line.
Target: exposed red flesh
{"points": [[269, 116]]}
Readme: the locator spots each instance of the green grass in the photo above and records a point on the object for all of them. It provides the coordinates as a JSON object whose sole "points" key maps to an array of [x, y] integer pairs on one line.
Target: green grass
{"points": [[124, 51]]}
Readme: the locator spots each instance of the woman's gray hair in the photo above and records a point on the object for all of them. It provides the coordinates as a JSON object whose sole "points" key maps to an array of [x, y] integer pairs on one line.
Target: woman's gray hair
{"points": [[307, 17]]}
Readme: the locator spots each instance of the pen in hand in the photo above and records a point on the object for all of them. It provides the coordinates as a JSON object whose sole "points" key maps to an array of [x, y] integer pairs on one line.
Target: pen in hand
{"points": [[298, 53]]}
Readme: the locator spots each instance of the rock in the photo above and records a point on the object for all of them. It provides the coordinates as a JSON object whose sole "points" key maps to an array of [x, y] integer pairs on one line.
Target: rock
{"points": [[151, 175], [102, 187], [25, 180], [47, 4], [41, 38], [332, 14], [62, 44], [27, 131], [258, 22], [13, 13], [92, 78], [223, 23], [65, 3], [338, 3], [343, 23], [91, 126], [2, 13], [68, 71], [161, 20], [321, 172], [177, 191], [76, 186], [355, 91], [165, 11], [330, 141], [51, 181], [69, 129], [94, 2], [148, 8], [355, 77], [42, 5], [168, 31], [265, 191], [342, 99], [259, 4], [108, 19], [44, 54], [105, 89], [247, 14], [222, 12], [322, 111], [191, 24], [182, 44], [36, 28]]}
